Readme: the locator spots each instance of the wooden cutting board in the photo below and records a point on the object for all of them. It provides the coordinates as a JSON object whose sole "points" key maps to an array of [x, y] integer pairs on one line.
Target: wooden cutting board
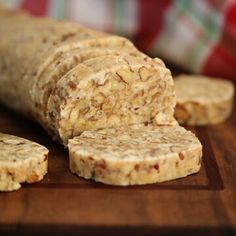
{"points": [[66, 204]]}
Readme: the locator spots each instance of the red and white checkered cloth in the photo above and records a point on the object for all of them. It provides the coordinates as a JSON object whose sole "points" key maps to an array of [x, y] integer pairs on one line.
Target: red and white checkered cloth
{"points": [[197, 35]]}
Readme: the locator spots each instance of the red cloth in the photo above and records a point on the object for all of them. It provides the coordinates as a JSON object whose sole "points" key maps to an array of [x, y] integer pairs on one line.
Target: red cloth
{"points": [[197, 35]]}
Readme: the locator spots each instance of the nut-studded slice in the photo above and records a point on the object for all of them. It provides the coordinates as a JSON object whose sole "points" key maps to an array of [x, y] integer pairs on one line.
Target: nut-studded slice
{"points": [[20, 161], [135, 155], [46, 83], [203, 100], [111, 91]]}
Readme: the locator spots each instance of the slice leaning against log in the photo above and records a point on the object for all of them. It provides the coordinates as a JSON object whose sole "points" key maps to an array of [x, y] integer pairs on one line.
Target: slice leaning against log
{"points": [[135, 155], [21, 161], [111, 91]]}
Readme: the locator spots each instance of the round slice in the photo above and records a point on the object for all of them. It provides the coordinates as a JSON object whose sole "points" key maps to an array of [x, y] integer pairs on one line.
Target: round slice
{"points": [[135, 155], [46, 82], [111, 91], [202, 100], [20, 161]]}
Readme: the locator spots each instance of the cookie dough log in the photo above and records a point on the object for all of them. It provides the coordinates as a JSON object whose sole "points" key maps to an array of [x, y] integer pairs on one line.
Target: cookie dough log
{"points": [[111, 91], [20, 161], [135, 155], [203, 100]]}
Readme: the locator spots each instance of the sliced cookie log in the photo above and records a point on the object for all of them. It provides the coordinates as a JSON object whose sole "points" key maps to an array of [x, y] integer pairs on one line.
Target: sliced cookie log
{"points": [[203, 100], [135, 155], [20, 161], [110, 91]]}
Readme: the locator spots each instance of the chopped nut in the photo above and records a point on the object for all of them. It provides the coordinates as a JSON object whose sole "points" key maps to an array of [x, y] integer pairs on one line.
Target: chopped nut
{"points": [[125, 75], [181, 156], [73, 114], [98, 98], [33, 178], [156, 166], [84, 110], [113, 120], [145, 73], [72, 85]]}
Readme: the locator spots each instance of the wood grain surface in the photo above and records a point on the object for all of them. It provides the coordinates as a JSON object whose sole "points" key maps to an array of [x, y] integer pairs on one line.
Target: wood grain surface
{"points": [[201, 204]]}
